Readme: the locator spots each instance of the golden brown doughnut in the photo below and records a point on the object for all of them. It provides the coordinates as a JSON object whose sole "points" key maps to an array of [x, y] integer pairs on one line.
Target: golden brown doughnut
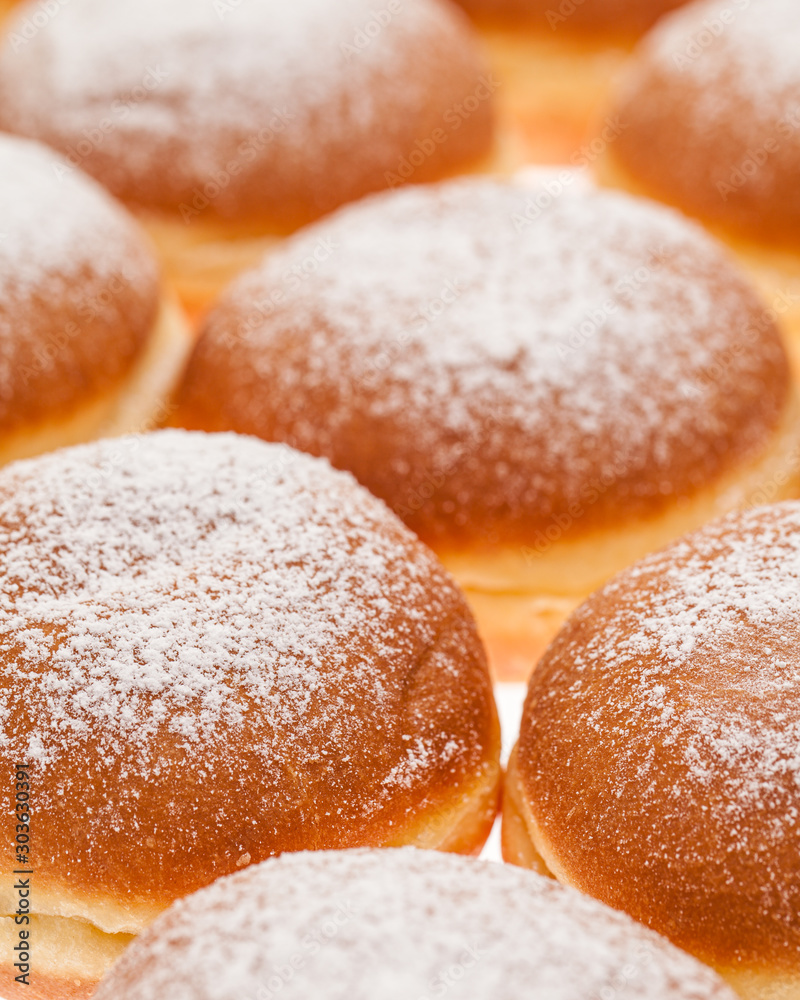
{"points": [[89, 343], [213, 651], [657, 765], [711, 115], [709, 112], [618, 18], [228, 121], [545, 383], [396, 925]]}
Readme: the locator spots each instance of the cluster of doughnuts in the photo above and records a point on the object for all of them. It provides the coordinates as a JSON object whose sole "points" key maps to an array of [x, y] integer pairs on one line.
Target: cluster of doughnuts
{"points": [[544, 381], [298, 108], [265, 570]]}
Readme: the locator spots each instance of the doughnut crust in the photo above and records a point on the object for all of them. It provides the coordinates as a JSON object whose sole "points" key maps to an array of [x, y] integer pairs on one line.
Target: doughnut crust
{"points": [[497, 361], [79, 290], [263, 113], [710, 109], [215, 650], [399, 924], [657, 765], [615, 17]]}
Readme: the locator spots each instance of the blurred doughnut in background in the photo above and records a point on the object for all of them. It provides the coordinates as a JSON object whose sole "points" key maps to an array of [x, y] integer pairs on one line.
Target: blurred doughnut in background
{"points": [[91, 344], [710, 115], [228, 126]]}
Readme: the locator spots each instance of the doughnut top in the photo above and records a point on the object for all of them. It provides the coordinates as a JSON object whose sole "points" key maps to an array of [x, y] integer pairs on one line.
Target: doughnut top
{"points": [[79, 287], [660, 741], [712, 114], [491, 359], [222, 650], [255, 110], [613, 17], [398, 924]]}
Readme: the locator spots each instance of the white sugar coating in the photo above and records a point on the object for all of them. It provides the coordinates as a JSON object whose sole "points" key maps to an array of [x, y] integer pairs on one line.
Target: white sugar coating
{"points": [[692, 657], [106, 50], [397, 925], [529, 282], [591, 329], [211, 79], [726, 614], [55, 223], [184, 587], [746, 66]]}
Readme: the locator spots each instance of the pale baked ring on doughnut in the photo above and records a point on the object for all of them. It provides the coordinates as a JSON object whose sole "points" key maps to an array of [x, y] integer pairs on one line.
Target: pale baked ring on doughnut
{"points": [[709, 115], [89, 343], [395, 925], [657, 766], [215, 650], [545, 383], [231, 123]]}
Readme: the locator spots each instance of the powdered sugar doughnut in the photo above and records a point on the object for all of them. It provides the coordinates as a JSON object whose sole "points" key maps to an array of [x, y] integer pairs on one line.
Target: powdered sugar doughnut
{"points": [[711, 109], [247, 119], [544, 382], [399, 924], [214, 651], [657, 766], [81, 311], [709, 115]]}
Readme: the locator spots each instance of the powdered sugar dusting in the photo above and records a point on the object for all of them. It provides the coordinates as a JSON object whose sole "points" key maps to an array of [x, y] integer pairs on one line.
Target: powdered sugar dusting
{"points": [[399, 924], [743, 57], [661, 740], [727, 598], [284, 86], [543, 345], [54, 222], [63, 245], [177, 590], [99, 49]]}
